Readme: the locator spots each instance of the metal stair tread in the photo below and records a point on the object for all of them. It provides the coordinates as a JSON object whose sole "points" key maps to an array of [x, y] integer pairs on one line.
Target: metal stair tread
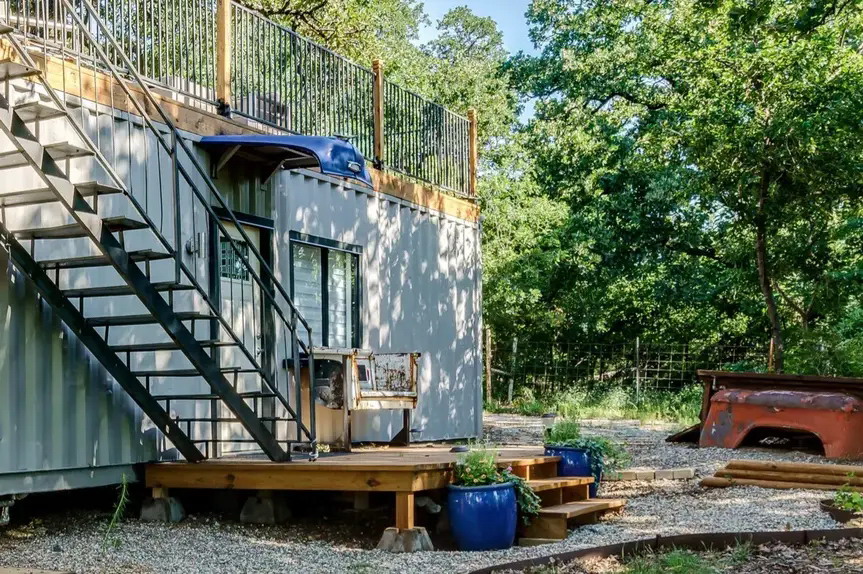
{"points": [[211, 396], [578, 508], [57, 150], [101, 260], [74, 231], [163, 373], [541, 484], [166, 346], [45, 195], [38, 110], [10, 70], [121, 320], [114, 290]]}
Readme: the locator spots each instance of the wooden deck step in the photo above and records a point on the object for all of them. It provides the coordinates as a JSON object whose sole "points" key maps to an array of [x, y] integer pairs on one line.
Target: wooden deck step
{"points": [[541, 484], [553, 522], [582, 507]]}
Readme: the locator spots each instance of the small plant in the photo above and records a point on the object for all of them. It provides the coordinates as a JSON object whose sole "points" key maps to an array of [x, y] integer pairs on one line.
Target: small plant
{"points": [[119, 511], [479, 467], [605, 455], [847, 499], [563, 433]]}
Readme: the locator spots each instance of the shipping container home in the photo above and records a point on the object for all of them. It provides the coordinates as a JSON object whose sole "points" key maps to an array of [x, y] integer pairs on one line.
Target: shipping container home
{"points": [[195, 267]]}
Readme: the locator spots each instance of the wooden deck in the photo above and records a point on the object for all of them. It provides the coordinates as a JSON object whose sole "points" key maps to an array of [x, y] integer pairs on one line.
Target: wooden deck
{"points": [[404, 471]]}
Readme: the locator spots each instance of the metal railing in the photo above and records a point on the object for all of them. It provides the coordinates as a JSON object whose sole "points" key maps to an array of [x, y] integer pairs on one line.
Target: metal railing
{"points": [[277, 78], [425, 140], [71, 34], [290, 83]]}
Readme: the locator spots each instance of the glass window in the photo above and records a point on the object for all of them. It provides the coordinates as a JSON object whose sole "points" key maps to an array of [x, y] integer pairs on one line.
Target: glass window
{"points": [[231, 266], [325, 287]]}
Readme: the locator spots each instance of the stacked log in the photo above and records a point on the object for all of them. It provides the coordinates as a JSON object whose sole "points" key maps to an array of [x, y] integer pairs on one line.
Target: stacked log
{"points": [[786, 475]]}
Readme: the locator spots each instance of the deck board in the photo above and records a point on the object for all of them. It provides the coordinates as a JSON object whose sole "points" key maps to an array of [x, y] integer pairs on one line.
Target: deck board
{"points": [[410, 469]]}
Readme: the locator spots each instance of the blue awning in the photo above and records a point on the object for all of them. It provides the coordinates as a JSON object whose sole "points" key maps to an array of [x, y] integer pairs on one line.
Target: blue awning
{"points": [[332, 155]]}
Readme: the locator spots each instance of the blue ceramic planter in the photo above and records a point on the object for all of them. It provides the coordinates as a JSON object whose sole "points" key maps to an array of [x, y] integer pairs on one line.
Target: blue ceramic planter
{"points": [[483, 517], [575, 462]]}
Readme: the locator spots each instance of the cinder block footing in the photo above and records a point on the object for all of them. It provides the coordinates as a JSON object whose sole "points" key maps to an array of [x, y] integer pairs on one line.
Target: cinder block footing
{"points": [[405, 540], [166, 509]]}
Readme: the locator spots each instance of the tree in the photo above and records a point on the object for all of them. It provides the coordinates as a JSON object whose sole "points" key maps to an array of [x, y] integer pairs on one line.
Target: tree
{"points": [[730, 128]]}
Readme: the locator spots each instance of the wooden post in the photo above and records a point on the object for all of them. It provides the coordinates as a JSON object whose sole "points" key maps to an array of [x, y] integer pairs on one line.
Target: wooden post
{"points": [[487, 365], [404, 510], [472, 152], [512, 371], [223, 52], [378, 110]]}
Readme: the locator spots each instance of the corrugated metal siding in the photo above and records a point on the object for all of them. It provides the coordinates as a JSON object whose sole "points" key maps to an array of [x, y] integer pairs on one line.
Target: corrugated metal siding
{"points": [[421, 292], [58, 409]]}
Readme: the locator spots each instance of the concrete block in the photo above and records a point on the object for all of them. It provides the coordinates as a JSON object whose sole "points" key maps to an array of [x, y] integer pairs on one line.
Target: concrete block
{"points": [[612, 476], [644, 475], [166, 509], [664, 474], [684, 473], [627, 475], [405, 540], [265, 508]]}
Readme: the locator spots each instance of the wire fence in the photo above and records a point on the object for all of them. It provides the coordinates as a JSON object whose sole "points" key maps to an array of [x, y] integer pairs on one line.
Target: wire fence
{"points": [[278, 79], [549, 368]]}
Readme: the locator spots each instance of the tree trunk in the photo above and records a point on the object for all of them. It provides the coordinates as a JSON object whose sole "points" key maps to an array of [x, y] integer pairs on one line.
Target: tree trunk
{"points": [[764, 278]]}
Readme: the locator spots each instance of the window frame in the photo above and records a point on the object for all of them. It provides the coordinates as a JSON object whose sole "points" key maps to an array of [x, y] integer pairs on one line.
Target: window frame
{"points": [[327, 245]]}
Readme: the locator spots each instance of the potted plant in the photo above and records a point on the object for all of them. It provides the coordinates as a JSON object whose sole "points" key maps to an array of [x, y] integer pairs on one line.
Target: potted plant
{"points": [[583, 455], [484, 502], [845, 506]]}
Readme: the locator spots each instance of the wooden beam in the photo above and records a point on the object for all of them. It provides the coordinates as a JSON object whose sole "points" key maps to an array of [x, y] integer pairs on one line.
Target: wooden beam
{"points": [[378, 111], [404, 510], [472, 151], [223, 51], [717, 482]]}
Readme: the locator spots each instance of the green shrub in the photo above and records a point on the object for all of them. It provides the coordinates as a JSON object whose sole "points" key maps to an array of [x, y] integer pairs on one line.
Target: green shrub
{"points": [[564, 432], [605, 454]]}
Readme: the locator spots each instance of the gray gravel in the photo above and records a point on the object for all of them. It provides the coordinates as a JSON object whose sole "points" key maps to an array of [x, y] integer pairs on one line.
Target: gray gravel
{"points": [[76, 543]]}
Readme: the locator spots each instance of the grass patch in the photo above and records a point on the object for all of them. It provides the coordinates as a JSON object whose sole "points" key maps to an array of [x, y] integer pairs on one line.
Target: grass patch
{"points": [[681, 406]]}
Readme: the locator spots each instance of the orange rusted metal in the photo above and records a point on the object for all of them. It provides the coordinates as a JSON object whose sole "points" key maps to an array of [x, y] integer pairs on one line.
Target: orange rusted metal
{"points": [[737, 403]]}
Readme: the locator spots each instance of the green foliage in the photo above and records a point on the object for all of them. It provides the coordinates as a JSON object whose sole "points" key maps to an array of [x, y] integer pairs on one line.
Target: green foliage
{"points": [[673, 562], [605, 454], [847, 499], [683, 406], [565, 432], [117, 516], [665, 134], [479, 467]]}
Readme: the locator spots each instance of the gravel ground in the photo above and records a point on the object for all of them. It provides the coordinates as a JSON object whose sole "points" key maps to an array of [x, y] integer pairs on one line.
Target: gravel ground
{"points": [[75, 541]]}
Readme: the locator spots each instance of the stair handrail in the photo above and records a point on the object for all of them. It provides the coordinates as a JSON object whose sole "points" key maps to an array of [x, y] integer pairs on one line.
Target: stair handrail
{"points": [[177, 141]]}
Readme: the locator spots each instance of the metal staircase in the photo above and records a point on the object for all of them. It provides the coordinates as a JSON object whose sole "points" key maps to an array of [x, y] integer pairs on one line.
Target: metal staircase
{"points": [[210, 369]]}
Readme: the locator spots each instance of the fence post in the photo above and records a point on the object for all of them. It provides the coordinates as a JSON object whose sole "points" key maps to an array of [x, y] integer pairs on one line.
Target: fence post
{"points": [[512, 371], [223, 55], [378, 111], [472, 151], [487, 365], [637, 369]]}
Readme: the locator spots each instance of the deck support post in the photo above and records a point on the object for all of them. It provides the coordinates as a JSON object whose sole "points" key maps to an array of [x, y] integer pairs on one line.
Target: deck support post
{"points": [[378, 111], [223, 56], [404, 510], [472, 151]]}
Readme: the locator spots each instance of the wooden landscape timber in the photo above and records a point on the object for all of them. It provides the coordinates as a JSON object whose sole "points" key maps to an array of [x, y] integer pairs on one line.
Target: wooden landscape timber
{"points": [[786, 475]]}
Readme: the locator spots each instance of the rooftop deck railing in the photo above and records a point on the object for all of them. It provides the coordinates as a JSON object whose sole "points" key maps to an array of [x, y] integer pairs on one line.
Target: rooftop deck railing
{"points": [[225, 56]]}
